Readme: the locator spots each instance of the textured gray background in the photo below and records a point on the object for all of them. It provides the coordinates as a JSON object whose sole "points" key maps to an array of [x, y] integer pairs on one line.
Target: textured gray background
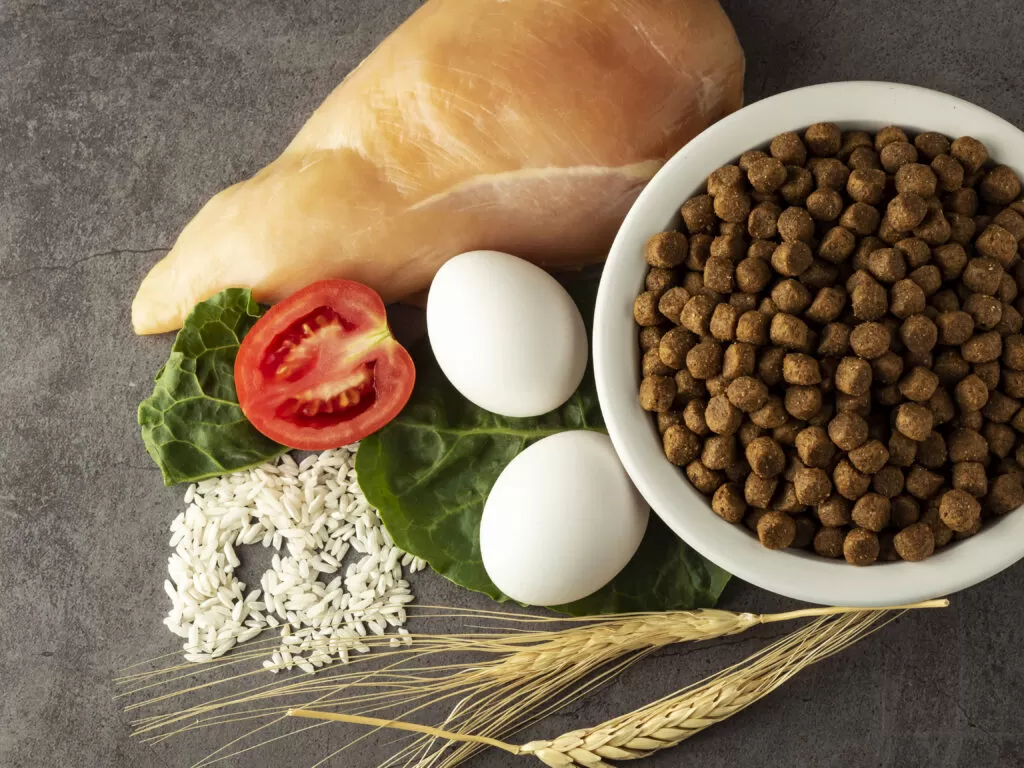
{"points": [[117, 120]]}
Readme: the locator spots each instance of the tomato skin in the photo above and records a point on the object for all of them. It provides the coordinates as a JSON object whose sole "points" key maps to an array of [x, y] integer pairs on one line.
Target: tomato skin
{"points": [[321, 369]]}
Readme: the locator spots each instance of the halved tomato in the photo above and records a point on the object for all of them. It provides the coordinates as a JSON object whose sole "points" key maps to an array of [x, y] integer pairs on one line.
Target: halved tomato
{"points": [[321, 369]]}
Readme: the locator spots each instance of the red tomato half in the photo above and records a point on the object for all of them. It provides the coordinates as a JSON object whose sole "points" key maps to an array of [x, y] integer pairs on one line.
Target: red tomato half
{"points": [[321, 369]]}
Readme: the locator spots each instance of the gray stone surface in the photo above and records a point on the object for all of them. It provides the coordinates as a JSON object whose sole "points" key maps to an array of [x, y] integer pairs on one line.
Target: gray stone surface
{"points": [[117, 120]]}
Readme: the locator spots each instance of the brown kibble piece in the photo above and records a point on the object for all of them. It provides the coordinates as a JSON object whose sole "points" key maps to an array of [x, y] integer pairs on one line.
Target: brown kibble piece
{"points": [[864, 159], [732, 205], [823, 139], [828, 542], [906, 298], [854, 139], [723, 322], [960, 511], [719, 274], [949, 172], [916, 179], [869, 299], [961, 228], [997, 243], [860, 547], [914, 421], [660, 279], [700, 252], [923, 483], [967, 445], [812, 485], [749, 157], [703, 479], [721, 416], [986, 311], [1005, 494], [919, 334], [866, 186], [747, 393], [871, 511], [888, 481], [837, 245], [728, 503], [693, 417], [668, 419], [919, 385], [765, 457], [789, 332], [887, 265], [969, 152], [870, 340], [814, 447], [739, 360], [1000, 186], [681, 445], [762, 223], [935, 229], [650, 337], [758, 491], [906, 211], [652, 365], [928, 278], [766, 174], [824, 204], [753, 327], [687, 386], [791, 296], [861, 219], [954, 327], [902, 450], [657, 393], [982, 347], [983, 275], [897, 154], [799, 184], [931, 144], [771, 415], [753, 275], [1000, 437], [1012, 222], [828, 304], [835, 340], [869, 458], [931, 452], [800, 369], [834, 511], [971, 393], [904, 511], [915, 542], [645, 309], [850, 482], [698, 214], [889, 135], [828, 172], [1013, 352], [803, 402], [776, 530], [724, 179], [853, 376], [788, 148], [795, 224], [1000, 408], [666, 249]]}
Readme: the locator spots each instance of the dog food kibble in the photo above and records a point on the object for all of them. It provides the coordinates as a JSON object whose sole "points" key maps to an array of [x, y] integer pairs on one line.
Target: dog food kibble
{"points": [[831, 341]]}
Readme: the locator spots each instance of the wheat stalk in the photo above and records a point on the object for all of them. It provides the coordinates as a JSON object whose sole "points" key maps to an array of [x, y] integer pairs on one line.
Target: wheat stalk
{"points": [[671, 720], [508, 694]]}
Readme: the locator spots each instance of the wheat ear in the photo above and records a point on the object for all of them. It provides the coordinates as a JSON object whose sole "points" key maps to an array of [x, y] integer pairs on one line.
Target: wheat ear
{"points": [[678, 716]]}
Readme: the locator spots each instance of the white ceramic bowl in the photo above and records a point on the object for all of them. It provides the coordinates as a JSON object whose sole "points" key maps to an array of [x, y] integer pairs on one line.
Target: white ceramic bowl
{"points": [[796, 574]]}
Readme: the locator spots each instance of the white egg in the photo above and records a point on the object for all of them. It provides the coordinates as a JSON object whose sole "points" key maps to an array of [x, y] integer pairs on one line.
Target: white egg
{"points": [[505, 333], [561, 521]]}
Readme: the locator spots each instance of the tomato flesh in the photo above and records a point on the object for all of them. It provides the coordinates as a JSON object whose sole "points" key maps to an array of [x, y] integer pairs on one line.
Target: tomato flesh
{"points": [[321, 369]]}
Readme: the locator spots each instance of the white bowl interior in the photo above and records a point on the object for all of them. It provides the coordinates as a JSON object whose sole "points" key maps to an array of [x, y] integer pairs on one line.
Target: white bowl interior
{"points": [[797, 574]]}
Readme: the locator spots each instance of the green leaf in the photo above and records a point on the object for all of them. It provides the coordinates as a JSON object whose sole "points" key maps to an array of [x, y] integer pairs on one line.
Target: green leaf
{"points": [[192, 424], [429, 471]]}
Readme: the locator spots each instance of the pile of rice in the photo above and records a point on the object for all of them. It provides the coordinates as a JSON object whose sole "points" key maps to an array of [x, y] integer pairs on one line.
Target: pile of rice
{"points": [[314, 515]]}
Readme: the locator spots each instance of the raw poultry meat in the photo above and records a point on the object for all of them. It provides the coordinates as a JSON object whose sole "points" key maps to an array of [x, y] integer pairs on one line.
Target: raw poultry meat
{"points": [[527, 126]]}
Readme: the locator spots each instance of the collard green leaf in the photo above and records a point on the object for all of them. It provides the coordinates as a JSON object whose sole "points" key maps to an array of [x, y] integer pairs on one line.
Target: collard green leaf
{"points": [[192, 424], [430, 470]]}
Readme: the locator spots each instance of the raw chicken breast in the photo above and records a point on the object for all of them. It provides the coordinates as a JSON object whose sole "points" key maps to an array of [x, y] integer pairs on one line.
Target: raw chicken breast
{"points": [[526, 126]]}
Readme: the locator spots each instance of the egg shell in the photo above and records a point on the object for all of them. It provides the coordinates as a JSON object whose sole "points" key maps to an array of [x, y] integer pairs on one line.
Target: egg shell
{"points": [[561, 521], [506, 333]]}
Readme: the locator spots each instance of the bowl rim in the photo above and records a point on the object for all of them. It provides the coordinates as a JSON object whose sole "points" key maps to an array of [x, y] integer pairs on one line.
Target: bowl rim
{"points": [[868, 105]]}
